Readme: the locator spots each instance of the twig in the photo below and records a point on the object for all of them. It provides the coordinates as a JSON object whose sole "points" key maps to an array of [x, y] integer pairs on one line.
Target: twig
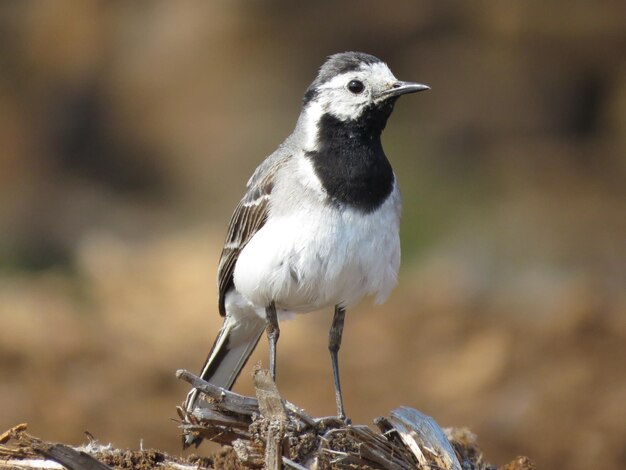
{"points": [[222, 398]]}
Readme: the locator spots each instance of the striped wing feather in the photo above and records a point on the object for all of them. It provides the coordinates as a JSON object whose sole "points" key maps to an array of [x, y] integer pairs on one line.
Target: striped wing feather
{"points": [[249, 216]]}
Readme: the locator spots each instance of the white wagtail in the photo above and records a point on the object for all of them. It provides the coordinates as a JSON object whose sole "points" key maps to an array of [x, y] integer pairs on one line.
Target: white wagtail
{"points": [[319, 224]]}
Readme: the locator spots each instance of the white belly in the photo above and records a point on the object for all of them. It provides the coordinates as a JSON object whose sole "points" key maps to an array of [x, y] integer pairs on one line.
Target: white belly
{"points": [[319, 257]]}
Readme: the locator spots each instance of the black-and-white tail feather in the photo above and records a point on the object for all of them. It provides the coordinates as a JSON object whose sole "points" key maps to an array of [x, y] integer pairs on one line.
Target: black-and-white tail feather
{"points": [[233, 346]]}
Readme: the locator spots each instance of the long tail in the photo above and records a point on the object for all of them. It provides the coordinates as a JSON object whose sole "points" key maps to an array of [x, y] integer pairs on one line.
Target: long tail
{"points": [[233, 347]]}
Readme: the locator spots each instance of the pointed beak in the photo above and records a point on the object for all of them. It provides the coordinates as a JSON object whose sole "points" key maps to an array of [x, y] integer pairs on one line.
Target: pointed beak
{"points": [[401, 88]]}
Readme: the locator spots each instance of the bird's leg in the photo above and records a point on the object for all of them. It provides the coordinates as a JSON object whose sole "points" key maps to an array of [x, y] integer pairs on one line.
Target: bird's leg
{"points": [[334, 342], [273, 332]]}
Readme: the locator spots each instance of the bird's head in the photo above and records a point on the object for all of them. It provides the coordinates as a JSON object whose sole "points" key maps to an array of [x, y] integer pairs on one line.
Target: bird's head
{"points": [[353, 86], [349, 83]]}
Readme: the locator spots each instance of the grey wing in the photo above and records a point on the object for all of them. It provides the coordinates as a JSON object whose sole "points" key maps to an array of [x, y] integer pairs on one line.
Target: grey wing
{"points": [[249, 216]]}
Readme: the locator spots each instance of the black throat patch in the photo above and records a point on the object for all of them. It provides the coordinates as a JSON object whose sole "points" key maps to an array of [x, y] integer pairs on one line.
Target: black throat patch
{"points": [[350, 160]]}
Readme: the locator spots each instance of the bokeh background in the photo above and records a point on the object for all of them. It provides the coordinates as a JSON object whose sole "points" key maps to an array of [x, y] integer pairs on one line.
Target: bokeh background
{"points": [[128, 130]]}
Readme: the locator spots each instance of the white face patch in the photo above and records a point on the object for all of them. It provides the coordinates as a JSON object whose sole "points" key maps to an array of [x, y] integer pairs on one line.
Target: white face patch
{"points": [[335, 98], [309, 124]]}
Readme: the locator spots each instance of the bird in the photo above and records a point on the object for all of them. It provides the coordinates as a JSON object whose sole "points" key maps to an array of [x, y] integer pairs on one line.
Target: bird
{"points": [[318, 226]]}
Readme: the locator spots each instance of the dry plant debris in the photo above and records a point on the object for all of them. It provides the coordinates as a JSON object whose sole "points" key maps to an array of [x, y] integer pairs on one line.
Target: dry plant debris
{"points": [[267, 432], [20, 451]]}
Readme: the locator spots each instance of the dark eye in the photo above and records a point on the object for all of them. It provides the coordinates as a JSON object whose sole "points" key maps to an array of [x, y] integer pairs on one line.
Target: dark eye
{"points": [[356, 86]]}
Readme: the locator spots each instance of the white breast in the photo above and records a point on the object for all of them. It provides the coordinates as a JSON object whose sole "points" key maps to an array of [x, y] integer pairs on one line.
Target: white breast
{"points": [[310, 255]]}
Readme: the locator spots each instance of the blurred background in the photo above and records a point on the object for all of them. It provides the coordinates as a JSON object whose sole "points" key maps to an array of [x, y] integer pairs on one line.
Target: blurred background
{"points": [[128, 130]]}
